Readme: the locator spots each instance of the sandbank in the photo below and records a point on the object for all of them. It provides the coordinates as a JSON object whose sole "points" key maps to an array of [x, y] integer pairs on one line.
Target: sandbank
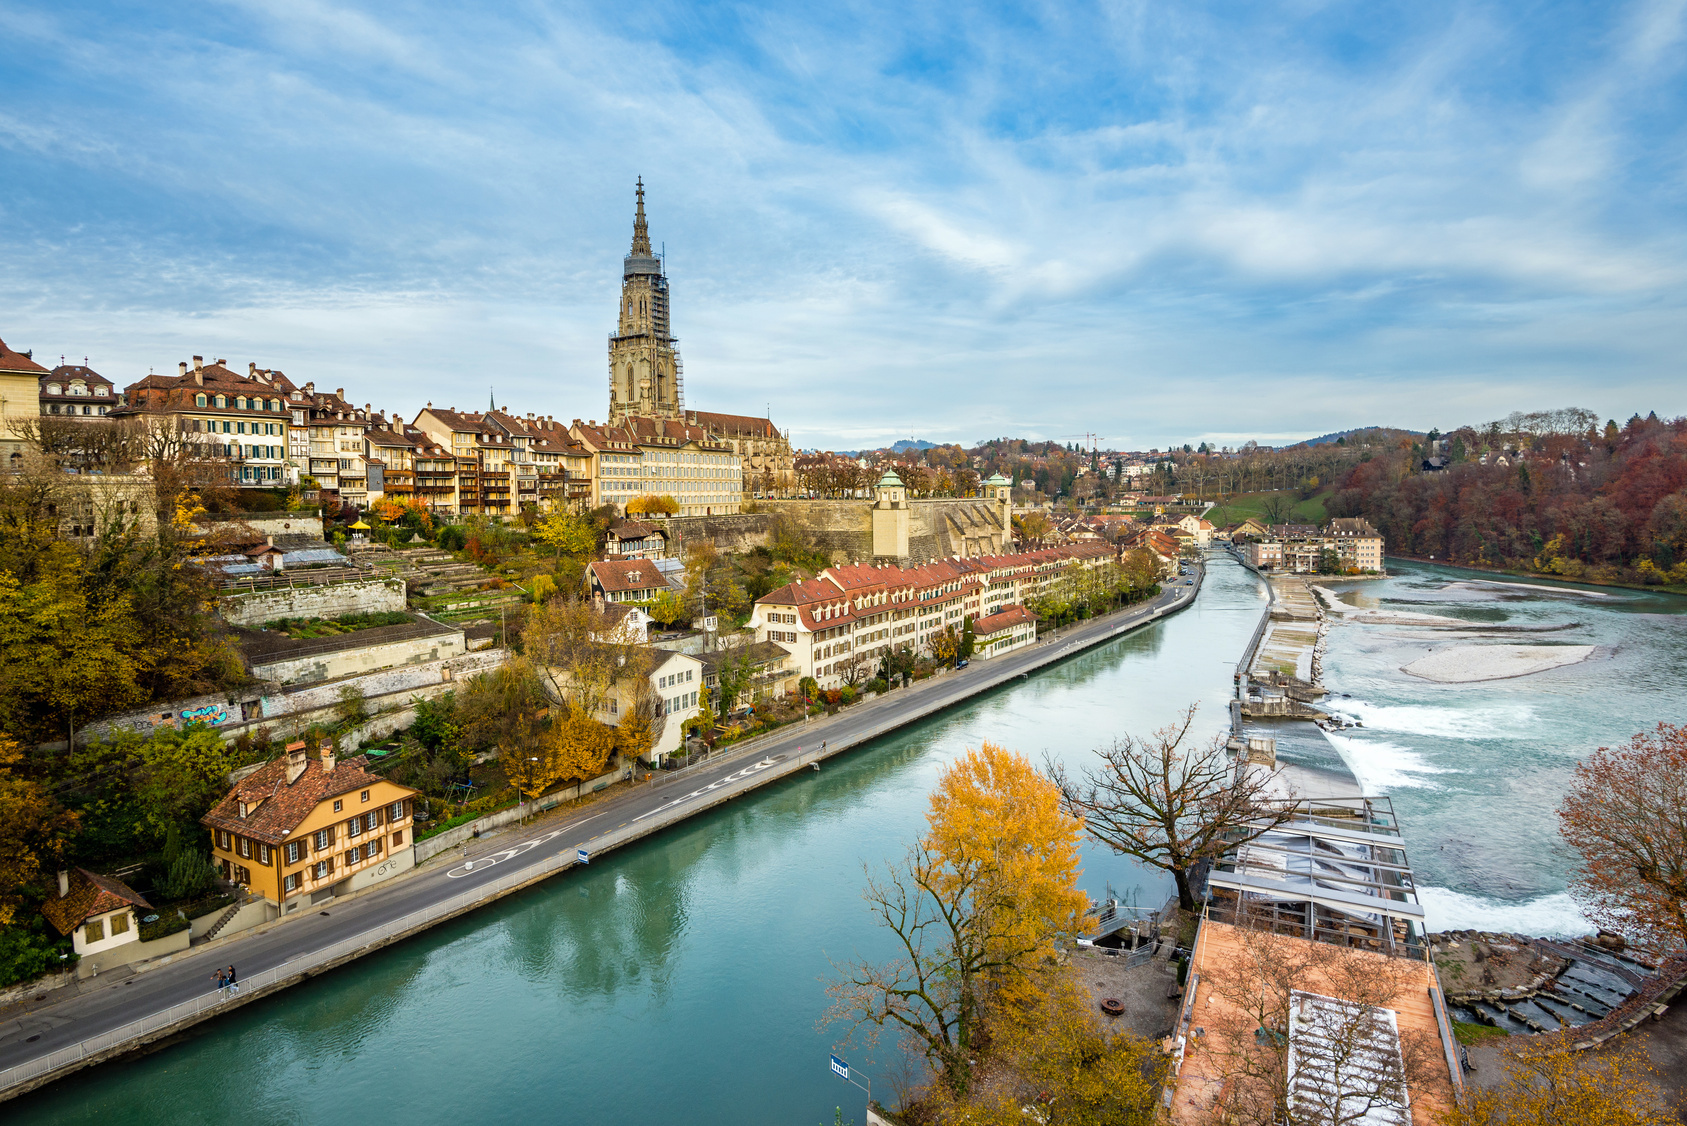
{"points": [[1467, 664]]}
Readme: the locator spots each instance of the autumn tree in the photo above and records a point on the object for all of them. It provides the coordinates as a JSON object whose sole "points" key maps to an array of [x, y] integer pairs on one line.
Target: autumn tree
{"points": [[1059, 1066], [506, 709], [1172, 806], [1034, 527], [33, 828], [580, 746], [974, 907], [666, 608], [567, 533], [1626, 814], [1548, 1083]]}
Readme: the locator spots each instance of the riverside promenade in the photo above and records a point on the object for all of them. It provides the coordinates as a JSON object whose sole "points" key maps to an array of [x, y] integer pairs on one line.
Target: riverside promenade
{"points": [[114, 1015]]}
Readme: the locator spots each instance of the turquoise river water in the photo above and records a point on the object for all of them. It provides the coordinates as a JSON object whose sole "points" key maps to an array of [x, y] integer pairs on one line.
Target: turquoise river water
{"points": [[683, 978]]}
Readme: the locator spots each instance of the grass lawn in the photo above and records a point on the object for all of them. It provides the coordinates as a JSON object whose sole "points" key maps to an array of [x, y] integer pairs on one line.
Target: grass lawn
{"points": [[1467, 1033], [1240, 506]]}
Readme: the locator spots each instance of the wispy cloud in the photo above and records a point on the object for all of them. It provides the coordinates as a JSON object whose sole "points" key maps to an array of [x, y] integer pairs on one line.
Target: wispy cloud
{"points": [[1160, 221]]}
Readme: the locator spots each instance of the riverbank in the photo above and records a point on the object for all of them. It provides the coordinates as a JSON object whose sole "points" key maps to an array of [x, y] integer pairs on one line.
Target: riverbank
{"points": [[1678, 591], [55, 1040]]}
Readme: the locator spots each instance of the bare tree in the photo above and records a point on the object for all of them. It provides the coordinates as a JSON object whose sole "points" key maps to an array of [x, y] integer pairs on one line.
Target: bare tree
{"points": [[1171, 807]]}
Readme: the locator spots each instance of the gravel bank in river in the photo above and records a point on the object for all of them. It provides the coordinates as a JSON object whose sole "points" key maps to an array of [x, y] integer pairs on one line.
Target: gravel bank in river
{"points": [[1468, 664]]}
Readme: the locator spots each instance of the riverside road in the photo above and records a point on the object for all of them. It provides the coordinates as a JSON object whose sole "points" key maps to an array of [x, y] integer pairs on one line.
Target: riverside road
{"points": [[78, 1013]]}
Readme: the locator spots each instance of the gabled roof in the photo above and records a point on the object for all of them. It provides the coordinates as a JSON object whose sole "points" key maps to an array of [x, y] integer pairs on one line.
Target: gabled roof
{"points": [[624, 575], [17, 361], [635, 530], [1002, 620], [283, 806], [90, 895], [734, 425]]}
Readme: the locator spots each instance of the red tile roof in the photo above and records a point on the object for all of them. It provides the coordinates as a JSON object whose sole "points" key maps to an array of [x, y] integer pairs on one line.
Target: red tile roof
{"points": [[627, 575], [282, 806], [90, 895], [17, 361], [734, 425], [1002, 620]]}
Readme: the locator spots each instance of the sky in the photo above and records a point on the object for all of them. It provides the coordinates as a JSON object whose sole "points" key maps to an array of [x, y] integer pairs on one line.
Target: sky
{"points": [[1151, 222]]}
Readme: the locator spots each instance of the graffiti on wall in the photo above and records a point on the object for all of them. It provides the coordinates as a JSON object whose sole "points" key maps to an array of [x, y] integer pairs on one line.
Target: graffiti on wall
{"points": [[210, 715]]}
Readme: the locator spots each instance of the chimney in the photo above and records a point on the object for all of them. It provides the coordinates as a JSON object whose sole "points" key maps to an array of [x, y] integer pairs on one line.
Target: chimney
{"points": [[295, 761], [219, 361], [183, 366], [340, 392], [199, 376], [252, 368], [64, 882], [328, 757], [310, 387], [199, 363]]}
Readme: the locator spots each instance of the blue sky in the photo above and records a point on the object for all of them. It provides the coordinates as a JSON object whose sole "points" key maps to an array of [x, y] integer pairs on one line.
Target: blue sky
{"points": [[1154, 221]]}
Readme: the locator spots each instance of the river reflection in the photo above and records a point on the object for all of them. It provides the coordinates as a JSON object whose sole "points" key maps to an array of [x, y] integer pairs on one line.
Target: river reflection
{"points": [[680, 978]]}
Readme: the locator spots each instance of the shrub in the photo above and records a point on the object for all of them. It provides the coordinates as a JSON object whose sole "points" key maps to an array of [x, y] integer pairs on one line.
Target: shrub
{"points": [[30, 949], [846, 695], [190, 874], [878, 686]]}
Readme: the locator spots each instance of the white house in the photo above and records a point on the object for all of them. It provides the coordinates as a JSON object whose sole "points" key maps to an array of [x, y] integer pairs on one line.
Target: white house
{"points": [[1003, 632], [97, 912]]}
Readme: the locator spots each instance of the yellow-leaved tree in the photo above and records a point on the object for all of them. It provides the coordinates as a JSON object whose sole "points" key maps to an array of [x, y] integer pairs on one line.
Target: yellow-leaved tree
{"points": [[1547, 1084], [579, 746], [995, 813], [33, 828], [976, 907]]}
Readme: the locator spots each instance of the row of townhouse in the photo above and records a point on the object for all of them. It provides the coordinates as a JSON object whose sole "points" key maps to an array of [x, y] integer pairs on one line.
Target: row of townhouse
{"points": [[1350, 546], [847, 617], [274, 433]]}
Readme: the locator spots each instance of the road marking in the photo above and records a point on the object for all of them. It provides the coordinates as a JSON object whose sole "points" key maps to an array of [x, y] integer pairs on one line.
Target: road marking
{"points": [[481, 863], [753, 768]]}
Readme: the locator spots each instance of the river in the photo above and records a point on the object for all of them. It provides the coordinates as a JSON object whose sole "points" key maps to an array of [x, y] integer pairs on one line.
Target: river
{"points": [[679, 979]]}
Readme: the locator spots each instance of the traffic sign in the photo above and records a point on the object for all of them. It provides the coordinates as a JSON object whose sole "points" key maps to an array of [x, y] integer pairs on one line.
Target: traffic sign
{"points": [[840, 1067], [582, 856]]}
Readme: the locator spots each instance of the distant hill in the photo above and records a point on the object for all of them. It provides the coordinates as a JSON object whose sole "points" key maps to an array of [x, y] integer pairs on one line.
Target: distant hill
{"points": [[1329, 439], [901, 447]]}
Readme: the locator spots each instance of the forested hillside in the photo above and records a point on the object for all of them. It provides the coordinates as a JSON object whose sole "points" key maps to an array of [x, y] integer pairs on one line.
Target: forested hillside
{"points": [[1551, 492]]}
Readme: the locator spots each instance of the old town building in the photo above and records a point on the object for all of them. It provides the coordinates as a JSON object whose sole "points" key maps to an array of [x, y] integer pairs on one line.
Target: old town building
{"points": [[242, 420], [839, 624], [20, 401], [301, 831], [78, 390]]}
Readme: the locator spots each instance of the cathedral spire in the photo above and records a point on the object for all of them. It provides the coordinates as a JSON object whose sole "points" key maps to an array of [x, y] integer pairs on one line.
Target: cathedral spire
{"points": [[641, 232]]}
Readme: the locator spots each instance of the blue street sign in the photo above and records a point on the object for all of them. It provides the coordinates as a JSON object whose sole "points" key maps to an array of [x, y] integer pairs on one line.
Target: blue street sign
{"points": [[581, 855], [840, 1067]]}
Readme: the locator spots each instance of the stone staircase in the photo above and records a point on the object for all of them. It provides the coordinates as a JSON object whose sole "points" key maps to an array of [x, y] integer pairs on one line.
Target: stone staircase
{"points": [[223, 920]]}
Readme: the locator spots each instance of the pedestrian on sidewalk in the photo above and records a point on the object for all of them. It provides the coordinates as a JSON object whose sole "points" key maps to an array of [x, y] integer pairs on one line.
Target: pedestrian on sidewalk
{"points": [[222, 980], [233, 981]]}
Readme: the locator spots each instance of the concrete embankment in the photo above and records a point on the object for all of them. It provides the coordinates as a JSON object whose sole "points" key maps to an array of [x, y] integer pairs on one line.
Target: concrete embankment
{"points": [[417, 902]]}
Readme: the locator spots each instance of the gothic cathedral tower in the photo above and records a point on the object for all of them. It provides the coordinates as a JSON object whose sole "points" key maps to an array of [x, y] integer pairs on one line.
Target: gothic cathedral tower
{"points": [[644, 366]]}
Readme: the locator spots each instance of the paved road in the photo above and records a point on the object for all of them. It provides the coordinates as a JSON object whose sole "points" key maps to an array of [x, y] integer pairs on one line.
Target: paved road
{"points": [[99, 1006]]}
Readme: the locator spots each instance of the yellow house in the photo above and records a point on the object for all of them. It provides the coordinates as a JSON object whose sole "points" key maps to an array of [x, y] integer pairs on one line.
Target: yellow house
{"points": [[301, 831]]}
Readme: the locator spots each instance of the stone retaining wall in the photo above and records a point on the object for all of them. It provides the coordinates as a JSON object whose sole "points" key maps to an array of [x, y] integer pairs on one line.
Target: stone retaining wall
{"points": [[366, 597]]}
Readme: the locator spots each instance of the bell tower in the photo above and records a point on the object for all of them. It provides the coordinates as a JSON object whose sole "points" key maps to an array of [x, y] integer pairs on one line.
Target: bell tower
{"points": [[644, 365]]}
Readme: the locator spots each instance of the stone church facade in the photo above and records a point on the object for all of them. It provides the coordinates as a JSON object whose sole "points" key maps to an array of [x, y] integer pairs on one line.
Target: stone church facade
{"points": [[647, 378]]}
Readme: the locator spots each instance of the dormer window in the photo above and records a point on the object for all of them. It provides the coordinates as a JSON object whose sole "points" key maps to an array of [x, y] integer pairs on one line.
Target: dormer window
{"points": [[199, 400], [55, 389], [221, 401]]}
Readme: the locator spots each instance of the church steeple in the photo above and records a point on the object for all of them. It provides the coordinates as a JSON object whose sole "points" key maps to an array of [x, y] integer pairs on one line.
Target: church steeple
{"points": [[644, 369], [641, 232]]}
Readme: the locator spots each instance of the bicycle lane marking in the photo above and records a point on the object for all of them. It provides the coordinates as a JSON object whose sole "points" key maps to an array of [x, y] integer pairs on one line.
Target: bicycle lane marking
{"points": [[481, 863], [737, 776]]}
